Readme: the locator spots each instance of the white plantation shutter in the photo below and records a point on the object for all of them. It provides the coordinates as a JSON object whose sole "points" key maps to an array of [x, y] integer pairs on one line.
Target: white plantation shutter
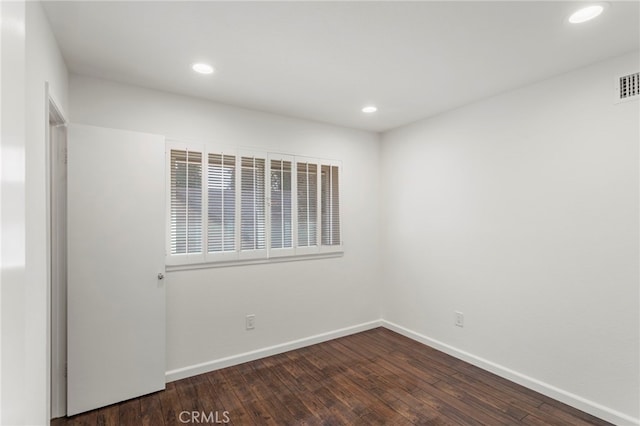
{"points": [[221, 209], [307, 193], [186, 202], [252, 204], [281, 204], [240, 205], [330, 208]]}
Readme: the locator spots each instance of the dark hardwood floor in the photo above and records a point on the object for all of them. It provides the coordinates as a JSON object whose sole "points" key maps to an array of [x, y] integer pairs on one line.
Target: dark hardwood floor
{"points": [[376, 377]]}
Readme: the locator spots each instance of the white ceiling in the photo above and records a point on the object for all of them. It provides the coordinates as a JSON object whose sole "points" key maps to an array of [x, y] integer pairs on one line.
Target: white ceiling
{"points": [[325, 60]]}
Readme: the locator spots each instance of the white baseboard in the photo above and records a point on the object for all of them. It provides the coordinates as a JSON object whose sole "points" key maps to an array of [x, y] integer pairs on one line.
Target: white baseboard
{"points": [[551, 391], [216, 364]]}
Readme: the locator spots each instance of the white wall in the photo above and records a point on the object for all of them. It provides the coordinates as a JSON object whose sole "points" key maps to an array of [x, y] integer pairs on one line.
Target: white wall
{"points": [[44, 65], [12, 214], [31, 59], [521, 211], [206, 308]]}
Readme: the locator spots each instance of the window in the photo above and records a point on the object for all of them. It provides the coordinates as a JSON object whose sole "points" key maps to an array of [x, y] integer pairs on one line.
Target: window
{"points": [[234, 206]]}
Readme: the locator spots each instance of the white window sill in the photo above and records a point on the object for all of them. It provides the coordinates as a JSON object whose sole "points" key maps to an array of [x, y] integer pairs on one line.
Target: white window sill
{"points": [[262, 261]]}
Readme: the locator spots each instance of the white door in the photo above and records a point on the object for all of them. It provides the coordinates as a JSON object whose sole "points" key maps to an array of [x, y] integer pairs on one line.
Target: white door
{"points": [[116, 298]]}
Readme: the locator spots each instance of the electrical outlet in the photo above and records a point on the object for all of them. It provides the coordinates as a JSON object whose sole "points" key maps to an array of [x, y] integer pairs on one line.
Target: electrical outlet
{"points": [[250, 322], [459, 319]]}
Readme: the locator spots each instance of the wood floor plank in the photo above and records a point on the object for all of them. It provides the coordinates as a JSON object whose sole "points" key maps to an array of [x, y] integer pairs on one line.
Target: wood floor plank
{"points": [[170, 405], [557, 413], [488, 397], [490, 386], [474, 403], [224, 390], [380, 390], [151, 410], [351, 384], [484, 414], [109, 416], [299, 412], [208, 395], [338, 410], [398, 393], [437, 361], [255, 408], [391, 363], [315, 402], [376, 377], [261, 392], [571, 411], [188, 396], [130, 412], [321, 387], [84, 419]]}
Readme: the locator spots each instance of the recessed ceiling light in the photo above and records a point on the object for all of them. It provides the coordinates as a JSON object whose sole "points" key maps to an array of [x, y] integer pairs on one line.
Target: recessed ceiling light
{"points": [[369, 109], [202, 68], [586, 14]]}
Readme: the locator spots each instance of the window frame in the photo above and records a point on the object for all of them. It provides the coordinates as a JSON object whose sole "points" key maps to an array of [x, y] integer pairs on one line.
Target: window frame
{"points": [[267, 254]]}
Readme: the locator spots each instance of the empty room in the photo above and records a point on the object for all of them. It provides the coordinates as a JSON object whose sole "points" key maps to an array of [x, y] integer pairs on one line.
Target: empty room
{"points": [[319, 213]]}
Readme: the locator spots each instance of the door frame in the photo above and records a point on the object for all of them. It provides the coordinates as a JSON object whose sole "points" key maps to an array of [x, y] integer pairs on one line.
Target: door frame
{"points": [[55, 134]]}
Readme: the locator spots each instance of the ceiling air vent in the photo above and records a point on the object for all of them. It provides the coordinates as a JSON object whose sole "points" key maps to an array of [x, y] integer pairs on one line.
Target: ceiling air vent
{"points": [[628, 87]]}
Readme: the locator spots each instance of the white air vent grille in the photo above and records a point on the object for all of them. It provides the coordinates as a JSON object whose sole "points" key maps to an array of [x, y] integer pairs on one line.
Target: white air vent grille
{"points": [[628, 87]]}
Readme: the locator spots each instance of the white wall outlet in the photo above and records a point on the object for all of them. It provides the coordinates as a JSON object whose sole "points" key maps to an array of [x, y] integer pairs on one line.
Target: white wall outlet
{"points": [[250, 322], [459, 319]]}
